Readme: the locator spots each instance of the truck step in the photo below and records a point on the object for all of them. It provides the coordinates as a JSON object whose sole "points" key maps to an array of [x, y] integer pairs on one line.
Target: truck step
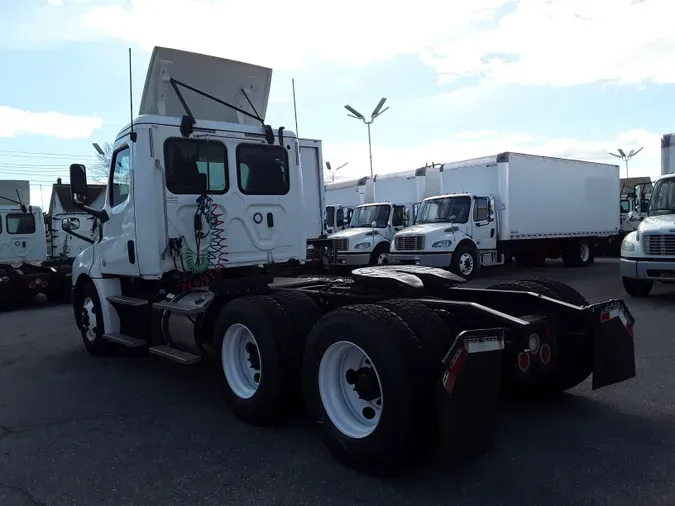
{"points": [[125, 300], [180, 356], [128, 341], [177, 307]]}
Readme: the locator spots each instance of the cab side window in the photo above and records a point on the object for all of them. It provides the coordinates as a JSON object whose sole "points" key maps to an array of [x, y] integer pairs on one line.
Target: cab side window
{"points": [[340, 217], [119, 177], [481, 209], [398, 218]]}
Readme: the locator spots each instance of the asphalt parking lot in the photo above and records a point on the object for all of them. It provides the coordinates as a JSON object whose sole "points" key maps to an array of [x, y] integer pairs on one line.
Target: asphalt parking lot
{"points": [[75, 429]]}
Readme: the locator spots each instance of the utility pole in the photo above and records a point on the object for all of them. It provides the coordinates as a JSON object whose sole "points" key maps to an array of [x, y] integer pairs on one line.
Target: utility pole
{"points": [[626, 157]]}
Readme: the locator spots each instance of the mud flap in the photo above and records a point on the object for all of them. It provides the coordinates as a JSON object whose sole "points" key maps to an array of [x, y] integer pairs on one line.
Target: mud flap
{"points": [[613, 347], [467, 395]]}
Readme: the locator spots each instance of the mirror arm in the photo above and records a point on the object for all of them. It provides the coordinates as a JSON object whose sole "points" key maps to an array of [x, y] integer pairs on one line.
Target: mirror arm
{"points": [[79, 236], [98, 213]]}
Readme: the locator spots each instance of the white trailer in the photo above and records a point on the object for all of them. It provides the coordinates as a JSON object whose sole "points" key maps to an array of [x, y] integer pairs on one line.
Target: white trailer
{"points": [[373, 225], [342, 197], [648, 254], [181, 270], [25, 270], [512, 204]]}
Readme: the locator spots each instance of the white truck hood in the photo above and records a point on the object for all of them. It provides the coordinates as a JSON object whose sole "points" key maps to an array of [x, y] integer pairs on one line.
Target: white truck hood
{"points": [[424, 229], [664, 224], [350, 233]]}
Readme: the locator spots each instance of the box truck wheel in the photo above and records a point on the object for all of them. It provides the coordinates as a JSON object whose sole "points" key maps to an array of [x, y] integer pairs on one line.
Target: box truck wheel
{"points": [[637, 287], [89, 318], [380, 255], [361, 386], [465, 260], [578, 254], [260, 359]]}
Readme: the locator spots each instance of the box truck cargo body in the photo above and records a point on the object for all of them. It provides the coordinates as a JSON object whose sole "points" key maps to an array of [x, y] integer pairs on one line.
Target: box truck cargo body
{"points": [[514, 205]]}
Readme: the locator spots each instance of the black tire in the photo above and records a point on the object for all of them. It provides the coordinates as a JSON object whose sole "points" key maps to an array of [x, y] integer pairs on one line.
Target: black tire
{"points": [[380, 249], [456, 258], [637, 288], [394, 352], [574, 353], [433, 333], [563, 291], [578, 254], [303, 311], [98, 345], [279, 354]]}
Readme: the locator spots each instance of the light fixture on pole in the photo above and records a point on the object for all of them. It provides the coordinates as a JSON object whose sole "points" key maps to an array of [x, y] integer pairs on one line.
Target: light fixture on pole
{"points": [[98, 148], [376, 112], [625, 157], [332, 170]]}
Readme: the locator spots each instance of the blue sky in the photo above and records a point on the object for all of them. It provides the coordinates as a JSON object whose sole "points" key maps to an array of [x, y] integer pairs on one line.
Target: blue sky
{"points": [[463, 80]]}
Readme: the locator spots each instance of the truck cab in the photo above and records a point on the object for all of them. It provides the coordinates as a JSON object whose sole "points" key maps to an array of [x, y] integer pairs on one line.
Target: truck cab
{"points": [[648, 254], [371, 230], [455, 231]]}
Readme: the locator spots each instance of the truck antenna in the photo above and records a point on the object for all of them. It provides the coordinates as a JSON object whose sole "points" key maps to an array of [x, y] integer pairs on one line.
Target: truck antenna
{"points": [[295, 109], [132, 134]]}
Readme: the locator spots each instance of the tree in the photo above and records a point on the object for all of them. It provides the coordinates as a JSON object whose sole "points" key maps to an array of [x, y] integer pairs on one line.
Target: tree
{"points": [[101, 168]]}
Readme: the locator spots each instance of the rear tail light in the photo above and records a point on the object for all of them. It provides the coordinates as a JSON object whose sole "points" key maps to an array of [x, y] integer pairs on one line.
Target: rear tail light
{"points": [[523, 361], [545, 354]]}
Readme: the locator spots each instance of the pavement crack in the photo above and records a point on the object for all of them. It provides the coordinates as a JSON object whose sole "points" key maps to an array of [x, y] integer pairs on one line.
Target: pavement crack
{"points": [[23, 492]]}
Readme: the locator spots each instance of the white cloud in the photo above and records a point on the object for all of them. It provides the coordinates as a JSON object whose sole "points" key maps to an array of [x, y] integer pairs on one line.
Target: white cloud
{"points": [[475, 144], [556, 42], [51, 124]]}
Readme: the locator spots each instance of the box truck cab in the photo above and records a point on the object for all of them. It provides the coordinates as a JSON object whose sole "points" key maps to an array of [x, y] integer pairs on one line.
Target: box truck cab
{"points": [[371, 230], [448, 230], [338, 217]]}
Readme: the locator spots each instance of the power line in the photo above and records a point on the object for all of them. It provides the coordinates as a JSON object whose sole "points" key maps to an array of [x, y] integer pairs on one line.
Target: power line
{"points": [[37, 154]]}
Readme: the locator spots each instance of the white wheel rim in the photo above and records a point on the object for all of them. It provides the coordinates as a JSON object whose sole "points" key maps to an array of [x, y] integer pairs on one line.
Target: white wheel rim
{"points": [[382, 259], [352, 415], [584, 252], [241, 361], [466, 264], [88, 309]]}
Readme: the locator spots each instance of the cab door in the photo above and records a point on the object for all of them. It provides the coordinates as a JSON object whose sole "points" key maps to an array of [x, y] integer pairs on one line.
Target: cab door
{"points": [[484, 223], [117, 249]]}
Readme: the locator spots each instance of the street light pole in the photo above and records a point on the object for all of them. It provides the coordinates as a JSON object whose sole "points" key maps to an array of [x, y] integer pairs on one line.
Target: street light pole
{"points": [[376, 112], [626, 157]]}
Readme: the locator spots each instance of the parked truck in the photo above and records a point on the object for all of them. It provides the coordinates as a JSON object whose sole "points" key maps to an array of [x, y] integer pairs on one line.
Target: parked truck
{"points": [[648, 253], [342, 197], [25, 270], [386, 362], [373, 225], [513, 205]]}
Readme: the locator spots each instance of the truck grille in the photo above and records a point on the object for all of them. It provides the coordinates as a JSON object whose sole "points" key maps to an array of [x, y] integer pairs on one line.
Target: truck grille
{"points": [[409, 243], [660, 244], [341, 244]]}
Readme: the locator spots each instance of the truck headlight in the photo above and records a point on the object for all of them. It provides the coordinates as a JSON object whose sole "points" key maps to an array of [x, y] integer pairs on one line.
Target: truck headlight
{"points": [[442, 244], [627, 246], [362, 245]]}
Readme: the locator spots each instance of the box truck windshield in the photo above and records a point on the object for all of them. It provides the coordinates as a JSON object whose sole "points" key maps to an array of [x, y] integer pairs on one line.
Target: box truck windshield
{"points": [[448, 209], [366, 215]]}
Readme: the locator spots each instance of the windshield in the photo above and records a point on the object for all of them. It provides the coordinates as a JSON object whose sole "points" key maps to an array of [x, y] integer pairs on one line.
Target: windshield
{"points": [[445, 210], [663, 198], [330, 216], [364, 216]]}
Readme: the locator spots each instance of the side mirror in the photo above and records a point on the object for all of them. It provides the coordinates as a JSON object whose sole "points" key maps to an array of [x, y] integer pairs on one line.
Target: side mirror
{"points": [[373, 224], [69, 224], [644, 206], [78, 184], [633, 216]]}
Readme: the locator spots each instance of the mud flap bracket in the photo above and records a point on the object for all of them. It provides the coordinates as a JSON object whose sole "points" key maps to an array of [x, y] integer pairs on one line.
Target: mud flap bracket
{"points": [[467, 395], [613, 346]]}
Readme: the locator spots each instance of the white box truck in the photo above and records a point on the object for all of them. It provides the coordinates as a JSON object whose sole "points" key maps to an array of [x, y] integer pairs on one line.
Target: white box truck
{"points": [[373, 225], [513, 205], [342, 197]]}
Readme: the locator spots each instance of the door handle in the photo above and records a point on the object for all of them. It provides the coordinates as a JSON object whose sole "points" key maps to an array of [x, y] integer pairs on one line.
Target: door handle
{"points": [[23, 243], [270, 220]]}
